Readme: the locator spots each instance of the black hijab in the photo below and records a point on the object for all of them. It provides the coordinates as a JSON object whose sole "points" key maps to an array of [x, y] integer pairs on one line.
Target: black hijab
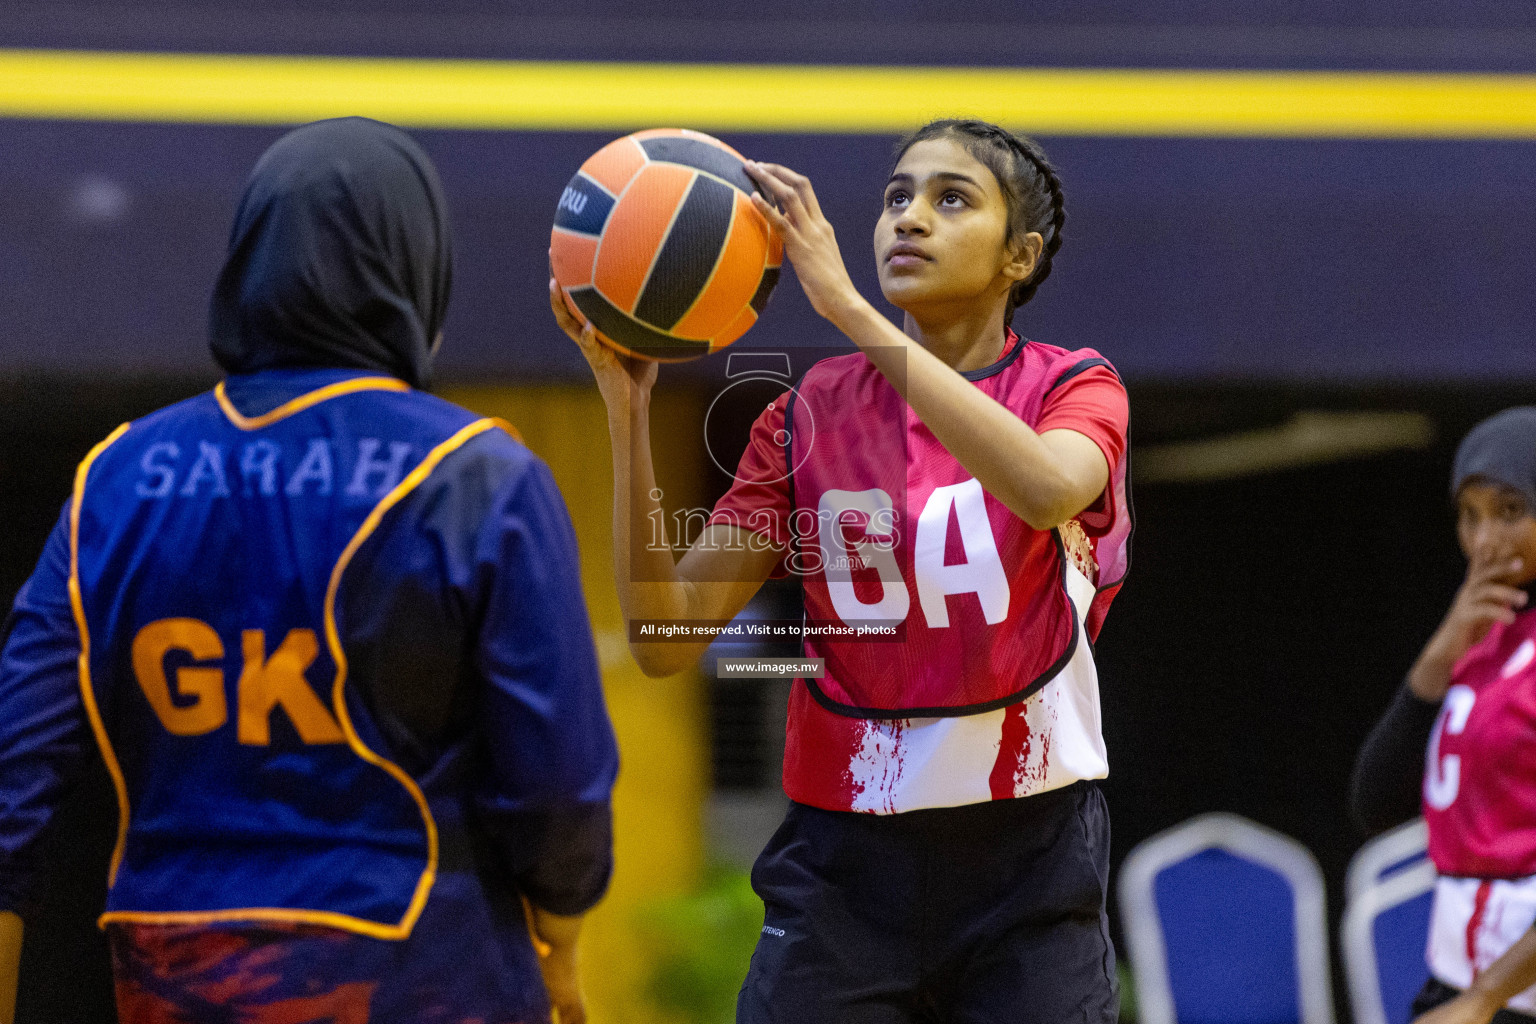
{"points": [[340, 256], [1501, 449]]}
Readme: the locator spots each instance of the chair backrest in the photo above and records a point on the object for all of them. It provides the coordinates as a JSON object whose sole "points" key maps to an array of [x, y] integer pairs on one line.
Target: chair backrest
{"points": [[1226, 924], [1382, 856], [1386, 925]]}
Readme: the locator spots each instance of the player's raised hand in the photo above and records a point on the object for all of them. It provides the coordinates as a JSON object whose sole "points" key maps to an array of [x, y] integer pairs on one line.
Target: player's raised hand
{"points": [[621, 379], [1485, 597], [809, 241]]}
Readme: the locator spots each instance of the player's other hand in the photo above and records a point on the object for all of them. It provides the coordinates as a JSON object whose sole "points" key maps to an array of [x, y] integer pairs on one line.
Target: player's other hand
{"points": [[565, 998], [557, 962], [622, 380], [1485, 597], [1467, 1008]]}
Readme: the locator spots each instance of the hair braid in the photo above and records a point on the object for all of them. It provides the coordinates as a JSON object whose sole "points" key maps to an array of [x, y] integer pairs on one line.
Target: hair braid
{"points": [[1025, 290]]}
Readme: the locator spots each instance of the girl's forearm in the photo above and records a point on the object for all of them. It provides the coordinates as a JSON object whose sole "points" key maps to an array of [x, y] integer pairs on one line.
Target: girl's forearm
{"points": [[644, 567], [1010, 460], [651, 583], [1430, 675], [1509, 975]]}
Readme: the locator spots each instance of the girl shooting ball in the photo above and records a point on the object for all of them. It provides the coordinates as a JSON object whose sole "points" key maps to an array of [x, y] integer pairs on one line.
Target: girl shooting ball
{"points": [[946, 852]]}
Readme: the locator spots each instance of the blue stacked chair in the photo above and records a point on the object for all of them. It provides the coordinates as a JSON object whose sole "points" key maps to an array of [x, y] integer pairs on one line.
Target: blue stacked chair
{"points": [[1389, 891], [1226, 924]]}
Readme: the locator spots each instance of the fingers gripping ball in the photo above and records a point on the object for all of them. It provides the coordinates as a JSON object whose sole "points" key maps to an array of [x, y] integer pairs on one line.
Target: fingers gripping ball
{"points": [[658, 246]]}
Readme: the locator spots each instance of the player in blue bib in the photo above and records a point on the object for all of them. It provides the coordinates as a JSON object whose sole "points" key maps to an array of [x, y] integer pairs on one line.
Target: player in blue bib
{"points": [[328, 634]]}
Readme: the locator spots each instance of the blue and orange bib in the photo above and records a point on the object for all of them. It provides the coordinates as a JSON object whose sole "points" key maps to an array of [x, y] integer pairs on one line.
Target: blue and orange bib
{"points": [[207, 552]]}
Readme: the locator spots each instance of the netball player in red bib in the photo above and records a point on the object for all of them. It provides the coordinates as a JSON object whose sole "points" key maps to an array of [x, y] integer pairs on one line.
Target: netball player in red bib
{"points": [[1459, 741], [946, 850]]}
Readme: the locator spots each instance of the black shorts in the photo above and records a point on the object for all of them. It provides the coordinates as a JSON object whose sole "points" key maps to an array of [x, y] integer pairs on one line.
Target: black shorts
{"points": [[963, 915], [1436, 993]]}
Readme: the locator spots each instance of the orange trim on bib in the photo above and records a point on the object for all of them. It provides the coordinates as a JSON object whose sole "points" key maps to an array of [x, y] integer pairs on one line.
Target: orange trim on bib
{"points": [[304, 401], [338, 692], [87, 693], [325, 918], [539, 945], [510, 430]]}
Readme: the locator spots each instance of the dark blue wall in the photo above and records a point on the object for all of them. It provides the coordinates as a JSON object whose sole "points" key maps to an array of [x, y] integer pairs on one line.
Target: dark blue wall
{"points": [[1184, 258]]}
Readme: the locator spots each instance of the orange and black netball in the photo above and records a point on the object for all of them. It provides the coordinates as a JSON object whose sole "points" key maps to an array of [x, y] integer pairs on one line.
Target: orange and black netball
{"points": [[656, 244]]}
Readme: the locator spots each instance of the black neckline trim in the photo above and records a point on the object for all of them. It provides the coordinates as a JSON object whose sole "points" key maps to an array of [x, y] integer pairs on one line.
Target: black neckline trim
{"points": [[998, 367]]}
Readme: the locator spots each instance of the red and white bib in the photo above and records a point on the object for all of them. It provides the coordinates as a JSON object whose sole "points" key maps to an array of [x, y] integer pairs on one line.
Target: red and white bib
{"points": [[1480, 768], [990, 690], [1480, 803], [967, 605]]}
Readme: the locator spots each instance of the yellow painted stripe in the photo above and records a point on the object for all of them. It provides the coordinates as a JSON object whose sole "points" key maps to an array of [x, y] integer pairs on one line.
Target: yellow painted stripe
{"points": [[226, 89]]}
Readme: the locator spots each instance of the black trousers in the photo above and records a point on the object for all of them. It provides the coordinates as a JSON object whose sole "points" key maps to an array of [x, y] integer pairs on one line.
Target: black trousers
{"points": [[1434, 993], [965, 915]]}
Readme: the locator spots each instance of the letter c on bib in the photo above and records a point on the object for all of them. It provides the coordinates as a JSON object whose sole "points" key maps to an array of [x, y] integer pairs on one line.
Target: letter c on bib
{"points": [[203, 683], [1442, 775]]}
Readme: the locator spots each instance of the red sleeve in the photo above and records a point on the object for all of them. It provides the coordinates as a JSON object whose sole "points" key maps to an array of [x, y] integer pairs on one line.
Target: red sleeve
{"points": [[759, 496], [1095, 405]]}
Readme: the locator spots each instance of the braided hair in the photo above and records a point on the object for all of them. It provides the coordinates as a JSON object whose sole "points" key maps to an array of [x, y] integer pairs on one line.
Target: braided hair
{"points": [[1030, 186]]}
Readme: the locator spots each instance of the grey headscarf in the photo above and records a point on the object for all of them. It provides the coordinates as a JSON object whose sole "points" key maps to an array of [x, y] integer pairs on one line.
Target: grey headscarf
{"points": [[1501, 449]]}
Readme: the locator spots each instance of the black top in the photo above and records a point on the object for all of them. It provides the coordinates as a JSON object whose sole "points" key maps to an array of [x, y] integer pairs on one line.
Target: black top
{"points": [[1389, 771]]}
